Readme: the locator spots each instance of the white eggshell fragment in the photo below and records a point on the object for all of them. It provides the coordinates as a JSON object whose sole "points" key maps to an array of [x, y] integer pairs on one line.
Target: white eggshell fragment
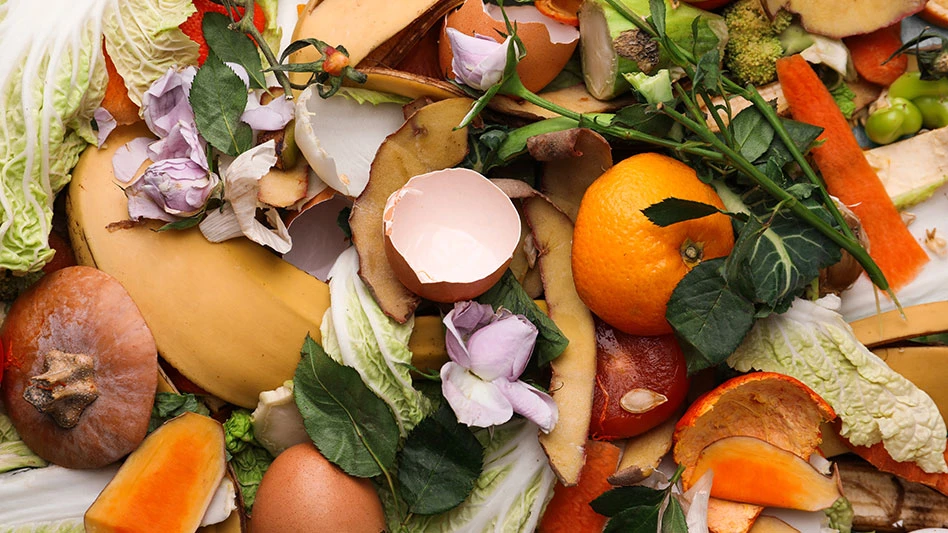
{"points": [[339, 137], [450, 234]]}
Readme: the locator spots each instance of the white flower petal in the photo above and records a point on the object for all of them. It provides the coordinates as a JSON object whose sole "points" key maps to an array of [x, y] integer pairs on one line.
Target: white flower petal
{"points": [[533, 404], [475, 402], [129, 158]]}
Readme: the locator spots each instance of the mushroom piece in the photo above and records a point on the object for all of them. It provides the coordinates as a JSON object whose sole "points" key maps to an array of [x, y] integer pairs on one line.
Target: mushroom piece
{"points": [[82, 369]]}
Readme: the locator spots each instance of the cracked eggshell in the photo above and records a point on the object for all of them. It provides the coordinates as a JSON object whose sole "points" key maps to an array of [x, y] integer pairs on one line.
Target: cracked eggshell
{"points": [[339, 137], [549, 43], [450, 234]]}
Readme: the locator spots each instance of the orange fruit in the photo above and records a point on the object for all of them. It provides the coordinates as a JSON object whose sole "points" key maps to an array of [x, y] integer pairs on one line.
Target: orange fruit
{"points": [[564, 11], [769, 406], [624, 266]]}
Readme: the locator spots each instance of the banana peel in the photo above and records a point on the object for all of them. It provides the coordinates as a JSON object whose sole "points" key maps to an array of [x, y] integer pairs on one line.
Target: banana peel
{"points": [[231, 317]]}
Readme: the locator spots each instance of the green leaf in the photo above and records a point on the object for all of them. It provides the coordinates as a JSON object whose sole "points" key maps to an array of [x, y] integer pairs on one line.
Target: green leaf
{"points": [[673, 520], [643, 118], [710, 319], [674, 210], [233, 47], [657, 10], [616, 500], [781, 257], [169, 405], [218, 97], [350, 425], [641, 519], [803, 136], [249, 465], [368, 96], [439, 464], [342, 220], [752, 133], [509, 294]]}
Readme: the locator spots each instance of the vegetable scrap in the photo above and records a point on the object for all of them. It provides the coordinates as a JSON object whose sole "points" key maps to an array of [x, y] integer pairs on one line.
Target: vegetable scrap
{"points": [[486, 305]]}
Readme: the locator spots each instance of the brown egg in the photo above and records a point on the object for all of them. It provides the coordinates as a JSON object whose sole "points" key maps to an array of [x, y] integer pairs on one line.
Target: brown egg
{"points": [[545, 57], [303, 492]]}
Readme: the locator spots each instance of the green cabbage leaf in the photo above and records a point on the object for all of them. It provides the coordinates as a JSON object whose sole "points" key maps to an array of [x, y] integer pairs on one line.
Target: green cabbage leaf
{"points": [[813, 343], [357, 333], [510, 494], [52, 79], [143, 39]]}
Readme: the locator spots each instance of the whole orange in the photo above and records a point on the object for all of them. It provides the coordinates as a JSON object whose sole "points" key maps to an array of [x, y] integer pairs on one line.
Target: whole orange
{"points": [[624, 266]]}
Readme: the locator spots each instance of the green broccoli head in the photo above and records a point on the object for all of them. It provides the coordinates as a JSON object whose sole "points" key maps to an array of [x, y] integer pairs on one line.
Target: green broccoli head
{"points": [[753, 45]]}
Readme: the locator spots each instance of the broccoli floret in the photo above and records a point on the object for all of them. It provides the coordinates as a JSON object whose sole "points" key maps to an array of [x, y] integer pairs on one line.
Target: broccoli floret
{"points": [[753, 45], [12, 284]]}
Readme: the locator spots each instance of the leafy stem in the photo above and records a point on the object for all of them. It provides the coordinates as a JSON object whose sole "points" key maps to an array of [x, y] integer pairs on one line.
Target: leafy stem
{"points": [[246, 25], [686, 60]]}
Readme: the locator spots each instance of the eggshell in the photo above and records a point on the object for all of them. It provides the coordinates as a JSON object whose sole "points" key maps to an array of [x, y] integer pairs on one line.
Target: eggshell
{"points": [[547, 52], [303, 492], [450, 234]]}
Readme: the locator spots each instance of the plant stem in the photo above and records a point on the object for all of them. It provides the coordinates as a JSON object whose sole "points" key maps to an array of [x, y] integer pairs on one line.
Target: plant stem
{"points": [[246, 25], [848, 243], [514, 88]]}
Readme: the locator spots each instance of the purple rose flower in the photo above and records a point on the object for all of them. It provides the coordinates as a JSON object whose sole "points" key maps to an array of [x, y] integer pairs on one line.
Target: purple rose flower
{"points": [[169, 190], [488, 353], [479, 61]]}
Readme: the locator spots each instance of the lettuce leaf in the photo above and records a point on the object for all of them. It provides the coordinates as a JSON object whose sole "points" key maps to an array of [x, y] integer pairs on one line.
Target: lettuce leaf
{"points": [[143, 39], [52, 79], [509, 495], [356, 333], [813, 343]]}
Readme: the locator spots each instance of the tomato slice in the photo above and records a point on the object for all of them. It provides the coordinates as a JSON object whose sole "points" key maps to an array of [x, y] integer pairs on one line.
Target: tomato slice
{"points": [[640, 382]]}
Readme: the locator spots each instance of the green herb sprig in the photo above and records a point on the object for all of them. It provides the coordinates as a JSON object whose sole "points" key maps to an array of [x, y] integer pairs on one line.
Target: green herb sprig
{"points": [[639, 509]]}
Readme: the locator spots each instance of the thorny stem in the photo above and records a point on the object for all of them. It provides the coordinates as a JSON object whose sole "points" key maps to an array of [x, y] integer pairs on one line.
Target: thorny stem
{"points": [[246, 25], [844, 236]]}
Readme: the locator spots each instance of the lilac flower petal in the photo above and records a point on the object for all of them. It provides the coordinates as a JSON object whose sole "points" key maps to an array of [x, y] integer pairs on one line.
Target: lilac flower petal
{"points": [[129, 158], [469, 315], [535, 405], [176, 187], [182, 141], [105, 123], [475, 402], [478, 61], [166, 103], [502, 348], [455, 347], [273, 116]]}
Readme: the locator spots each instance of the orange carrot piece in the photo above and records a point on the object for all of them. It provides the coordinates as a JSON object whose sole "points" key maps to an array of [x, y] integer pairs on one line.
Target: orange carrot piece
{"points": [[871, 53], [116, 100], [848, 175], [877, 456], [569, 510]]}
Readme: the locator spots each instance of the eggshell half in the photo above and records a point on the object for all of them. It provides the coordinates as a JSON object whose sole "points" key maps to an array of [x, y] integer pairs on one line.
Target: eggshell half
{"points": [[450, 234], [549, 43]]}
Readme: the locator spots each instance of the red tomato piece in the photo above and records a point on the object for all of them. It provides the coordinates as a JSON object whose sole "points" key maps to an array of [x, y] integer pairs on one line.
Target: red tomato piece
{"points": [[640, 382]]}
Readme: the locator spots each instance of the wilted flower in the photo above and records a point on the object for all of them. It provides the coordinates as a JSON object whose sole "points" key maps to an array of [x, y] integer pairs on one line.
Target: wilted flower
{"points": [[170, 189], [479, 61], [488, 353], [166, 103], [272, 116], [105, 123], [182, 142]]}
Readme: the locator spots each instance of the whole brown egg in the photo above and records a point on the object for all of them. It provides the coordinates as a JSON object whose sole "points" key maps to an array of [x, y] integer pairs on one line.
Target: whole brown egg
{"points": [[303, 492]]}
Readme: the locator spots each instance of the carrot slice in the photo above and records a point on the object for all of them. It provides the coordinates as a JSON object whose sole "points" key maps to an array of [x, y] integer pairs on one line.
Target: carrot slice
{"points": [[871, 53], [569, 509], [848, 175]]}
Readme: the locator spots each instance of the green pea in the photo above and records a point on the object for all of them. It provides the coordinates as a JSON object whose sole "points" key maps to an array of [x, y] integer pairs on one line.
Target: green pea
{"points": [[886, 125], [934, 111], [910, 86]]}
